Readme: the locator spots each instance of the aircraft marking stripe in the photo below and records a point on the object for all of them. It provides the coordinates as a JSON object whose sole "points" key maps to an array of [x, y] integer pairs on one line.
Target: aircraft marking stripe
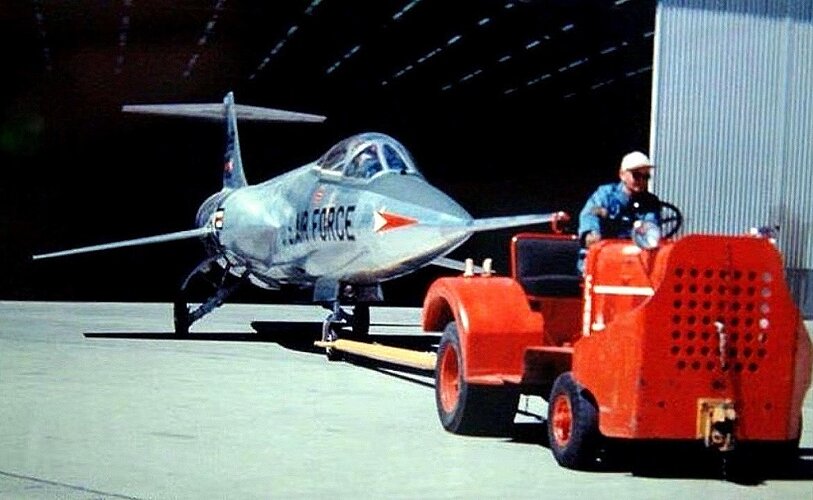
{"points": [[623, 290], [385, 221]]}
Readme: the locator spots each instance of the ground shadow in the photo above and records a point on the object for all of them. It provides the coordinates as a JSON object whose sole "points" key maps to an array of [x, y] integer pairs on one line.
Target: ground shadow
{"points": [[301, 336], [417, 376], [530, 433], [294, 335], [748, 466], [209, 336]]}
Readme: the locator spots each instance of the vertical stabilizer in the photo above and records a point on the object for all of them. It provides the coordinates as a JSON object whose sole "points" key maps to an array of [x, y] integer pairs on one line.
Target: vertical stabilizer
{"points": [[233, 175]]}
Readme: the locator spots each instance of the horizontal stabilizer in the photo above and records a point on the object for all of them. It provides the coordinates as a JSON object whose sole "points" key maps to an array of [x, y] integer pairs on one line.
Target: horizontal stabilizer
{"points": [[493, 223], [216, 111], [181, 235]]}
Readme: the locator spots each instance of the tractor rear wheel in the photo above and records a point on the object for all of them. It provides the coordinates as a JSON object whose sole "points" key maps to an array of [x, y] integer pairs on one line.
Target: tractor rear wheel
{"points": [[463, 408], [572, 425]]}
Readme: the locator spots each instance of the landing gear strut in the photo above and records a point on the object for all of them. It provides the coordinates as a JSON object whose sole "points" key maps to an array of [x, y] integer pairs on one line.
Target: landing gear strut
{"points": [[183, 315], [340, 323]]}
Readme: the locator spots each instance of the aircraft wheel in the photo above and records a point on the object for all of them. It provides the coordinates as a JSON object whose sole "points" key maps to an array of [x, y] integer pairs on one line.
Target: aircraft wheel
{"points": [[572, 424], [464, 408], [361, 322], [180, 316]]}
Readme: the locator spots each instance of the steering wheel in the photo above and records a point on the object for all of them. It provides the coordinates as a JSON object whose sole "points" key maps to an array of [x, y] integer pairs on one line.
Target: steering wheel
{"points": [[671, 219]]}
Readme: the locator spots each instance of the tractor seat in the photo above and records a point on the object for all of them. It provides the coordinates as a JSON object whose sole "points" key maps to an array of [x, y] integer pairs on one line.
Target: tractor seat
{"points": [[547, 266]]}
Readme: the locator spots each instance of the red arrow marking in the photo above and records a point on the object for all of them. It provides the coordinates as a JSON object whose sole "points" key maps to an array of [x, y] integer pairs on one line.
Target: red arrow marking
{"points": [[385, 221]]}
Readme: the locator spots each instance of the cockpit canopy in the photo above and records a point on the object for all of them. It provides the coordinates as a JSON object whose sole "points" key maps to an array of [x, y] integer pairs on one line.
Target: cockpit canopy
{"points": [[364, 155]]}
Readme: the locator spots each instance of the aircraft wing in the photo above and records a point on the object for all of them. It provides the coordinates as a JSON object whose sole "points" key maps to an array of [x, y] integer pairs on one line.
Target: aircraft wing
{"points": [[216, 112], [456, 265], [492, 223], [180, 235]]}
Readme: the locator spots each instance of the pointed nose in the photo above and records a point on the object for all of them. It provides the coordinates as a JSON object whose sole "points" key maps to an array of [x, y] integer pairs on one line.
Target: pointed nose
{"points": [[416, 224], [422, 198], [438, 203]]}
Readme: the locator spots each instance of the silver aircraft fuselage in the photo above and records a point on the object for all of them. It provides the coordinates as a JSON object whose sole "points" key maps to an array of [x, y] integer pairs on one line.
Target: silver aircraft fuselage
{"points": [[315, 223]]}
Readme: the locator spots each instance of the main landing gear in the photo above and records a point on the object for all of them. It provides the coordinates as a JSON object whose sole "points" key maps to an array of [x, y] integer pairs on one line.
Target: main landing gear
{"points": [[224, 285]]}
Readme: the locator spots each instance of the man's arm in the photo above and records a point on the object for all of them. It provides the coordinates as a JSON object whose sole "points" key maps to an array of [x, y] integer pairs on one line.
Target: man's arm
{"points": [[590, 217]]}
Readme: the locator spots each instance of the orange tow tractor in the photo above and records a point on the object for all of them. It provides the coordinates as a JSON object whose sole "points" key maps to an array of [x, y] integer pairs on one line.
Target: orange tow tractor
{"points": [[692, 339]]}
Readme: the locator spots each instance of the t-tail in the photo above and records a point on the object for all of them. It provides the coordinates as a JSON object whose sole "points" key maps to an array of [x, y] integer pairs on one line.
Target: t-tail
{"points": [[233, 175]]}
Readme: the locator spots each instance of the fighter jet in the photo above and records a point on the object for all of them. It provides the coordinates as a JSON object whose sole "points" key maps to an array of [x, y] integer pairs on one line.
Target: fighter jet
{"points": [[359, 215]]}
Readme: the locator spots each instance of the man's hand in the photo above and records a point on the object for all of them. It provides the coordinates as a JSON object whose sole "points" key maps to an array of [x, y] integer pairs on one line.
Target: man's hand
{"points": [[600, 212], [591, 238]]}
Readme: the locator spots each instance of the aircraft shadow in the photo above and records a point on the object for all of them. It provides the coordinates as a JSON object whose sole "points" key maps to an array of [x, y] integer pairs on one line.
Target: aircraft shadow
{"points": [[293, 335], [209, 336], [301, 335]]}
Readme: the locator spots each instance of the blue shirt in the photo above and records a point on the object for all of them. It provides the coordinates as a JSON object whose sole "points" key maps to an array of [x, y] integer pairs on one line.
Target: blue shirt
{"points": [[622, 212]]}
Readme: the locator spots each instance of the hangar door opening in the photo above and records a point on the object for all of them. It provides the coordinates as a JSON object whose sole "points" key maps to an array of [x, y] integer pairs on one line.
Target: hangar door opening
{"points": [[514, 107]]}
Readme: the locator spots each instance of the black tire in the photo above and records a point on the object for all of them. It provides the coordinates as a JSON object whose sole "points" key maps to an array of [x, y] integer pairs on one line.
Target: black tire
{"points": [[360, 326], [334, 354], [572, 425], [469, 409], [180, 313]]}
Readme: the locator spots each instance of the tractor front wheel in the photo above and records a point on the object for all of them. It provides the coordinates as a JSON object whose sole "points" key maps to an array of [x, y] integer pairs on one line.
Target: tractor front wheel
{"points": [[572, 424]]}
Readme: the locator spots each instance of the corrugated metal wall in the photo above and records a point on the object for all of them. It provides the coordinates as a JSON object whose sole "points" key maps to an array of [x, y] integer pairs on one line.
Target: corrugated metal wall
{"points": [[732, 121]]}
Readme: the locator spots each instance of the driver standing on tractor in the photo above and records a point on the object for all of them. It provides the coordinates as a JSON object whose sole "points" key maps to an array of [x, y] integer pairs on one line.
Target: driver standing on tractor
{"points": [[612, 209]]}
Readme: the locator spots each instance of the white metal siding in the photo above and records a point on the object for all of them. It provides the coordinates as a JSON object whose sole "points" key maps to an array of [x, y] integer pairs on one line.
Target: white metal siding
{"points": [[732, 117]]}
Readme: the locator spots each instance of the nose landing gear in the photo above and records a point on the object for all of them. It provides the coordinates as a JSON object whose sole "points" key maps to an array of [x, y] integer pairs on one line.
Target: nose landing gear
{"points": [[340, 323]]}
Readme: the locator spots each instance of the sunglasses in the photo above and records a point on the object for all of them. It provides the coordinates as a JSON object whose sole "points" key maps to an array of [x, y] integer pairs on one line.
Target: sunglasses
{"points": [[639, 176]]}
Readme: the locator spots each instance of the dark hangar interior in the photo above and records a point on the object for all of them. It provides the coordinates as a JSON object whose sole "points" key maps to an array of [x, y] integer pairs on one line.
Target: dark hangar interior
{"points": [[509, 106]]}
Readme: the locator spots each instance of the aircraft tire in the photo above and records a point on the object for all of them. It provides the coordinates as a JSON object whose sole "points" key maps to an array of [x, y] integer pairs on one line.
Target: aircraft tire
{"points": [[181, 317], [361, 322], [333, 354], [467, 409], [573, 432]]}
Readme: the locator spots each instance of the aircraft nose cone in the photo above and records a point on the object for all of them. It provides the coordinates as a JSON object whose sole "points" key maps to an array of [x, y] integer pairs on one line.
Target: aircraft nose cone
{"points": [[422, 199], [424, 217], [416, 224], [434, 200]]}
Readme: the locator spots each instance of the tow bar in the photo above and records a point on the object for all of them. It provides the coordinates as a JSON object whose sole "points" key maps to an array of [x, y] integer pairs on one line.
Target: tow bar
{"points": [[395, 355]]}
